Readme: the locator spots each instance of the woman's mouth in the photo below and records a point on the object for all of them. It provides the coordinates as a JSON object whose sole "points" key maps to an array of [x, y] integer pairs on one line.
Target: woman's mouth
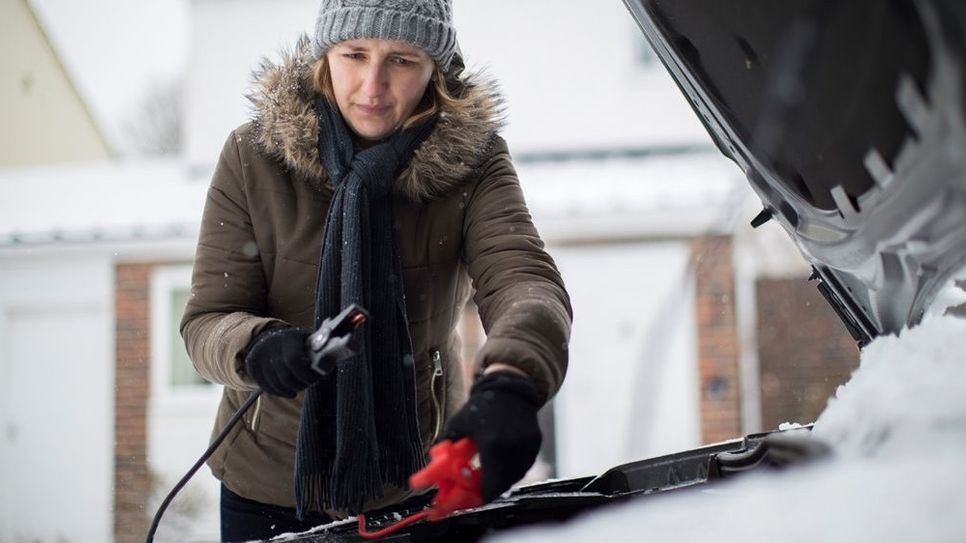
{"points": [[373, 110]]}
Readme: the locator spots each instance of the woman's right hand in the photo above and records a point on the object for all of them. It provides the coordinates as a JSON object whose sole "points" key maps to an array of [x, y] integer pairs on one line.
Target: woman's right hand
{"points": [[279, 362]]}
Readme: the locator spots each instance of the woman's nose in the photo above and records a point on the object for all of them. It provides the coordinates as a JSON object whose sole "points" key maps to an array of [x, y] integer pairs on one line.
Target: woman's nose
{"points": [[374, 80]]}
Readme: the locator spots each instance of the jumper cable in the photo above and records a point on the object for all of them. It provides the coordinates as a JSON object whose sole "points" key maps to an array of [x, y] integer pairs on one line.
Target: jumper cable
{"points": [[332, 342]]}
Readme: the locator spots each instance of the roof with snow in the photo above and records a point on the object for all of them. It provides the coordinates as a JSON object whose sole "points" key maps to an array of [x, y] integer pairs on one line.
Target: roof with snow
{"points": [[119, 201], [652, 196], [663, 195]]}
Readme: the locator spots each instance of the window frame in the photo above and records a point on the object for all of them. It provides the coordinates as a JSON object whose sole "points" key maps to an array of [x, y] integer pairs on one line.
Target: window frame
{"points": [[164, 281]]}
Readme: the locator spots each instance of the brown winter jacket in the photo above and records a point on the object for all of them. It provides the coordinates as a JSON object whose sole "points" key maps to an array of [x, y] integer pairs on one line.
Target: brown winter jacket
{"points": [[463, 226]]}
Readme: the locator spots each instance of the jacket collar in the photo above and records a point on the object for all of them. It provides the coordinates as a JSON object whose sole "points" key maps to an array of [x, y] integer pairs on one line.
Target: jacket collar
{"points": [[285, 127]]}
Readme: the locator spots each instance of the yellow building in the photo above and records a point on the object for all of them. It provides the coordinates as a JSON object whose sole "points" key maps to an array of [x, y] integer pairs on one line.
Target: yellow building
{"points": [[44, 119]]}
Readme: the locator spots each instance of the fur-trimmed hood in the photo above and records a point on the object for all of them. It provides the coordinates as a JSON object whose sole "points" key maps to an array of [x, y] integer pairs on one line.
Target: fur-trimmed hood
{"points": [[286, 128]]}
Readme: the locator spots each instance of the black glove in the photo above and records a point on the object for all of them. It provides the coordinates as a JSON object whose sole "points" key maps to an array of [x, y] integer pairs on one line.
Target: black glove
{"points": [[501, 418], [279, 362]]}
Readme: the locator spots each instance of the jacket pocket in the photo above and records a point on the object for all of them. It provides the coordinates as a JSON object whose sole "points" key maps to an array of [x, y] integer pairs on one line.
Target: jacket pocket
{"points": [[437, 391], [275, 417]]}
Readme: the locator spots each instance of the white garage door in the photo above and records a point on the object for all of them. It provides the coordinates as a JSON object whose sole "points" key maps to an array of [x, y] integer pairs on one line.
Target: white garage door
{"points": [[631, 390], [55, 397]]}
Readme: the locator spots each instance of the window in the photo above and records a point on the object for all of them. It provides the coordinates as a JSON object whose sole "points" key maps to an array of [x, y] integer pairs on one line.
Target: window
{"points": [[180, 370], [172, 373]]}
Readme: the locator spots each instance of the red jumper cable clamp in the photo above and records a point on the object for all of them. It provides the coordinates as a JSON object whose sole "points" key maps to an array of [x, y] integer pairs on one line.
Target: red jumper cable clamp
{"points": [[460, 485]]}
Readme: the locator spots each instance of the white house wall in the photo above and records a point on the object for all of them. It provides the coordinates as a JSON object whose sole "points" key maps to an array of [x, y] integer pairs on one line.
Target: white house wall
{"points": [[574, 76], [632, 385], [228, 40], [571, 71], [56, 392]]}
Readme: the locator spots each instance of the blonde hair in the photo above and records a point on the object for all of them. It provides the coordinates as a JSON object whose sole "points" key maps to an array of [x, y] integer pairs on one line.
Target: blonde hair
{"points": [[437, 99]]}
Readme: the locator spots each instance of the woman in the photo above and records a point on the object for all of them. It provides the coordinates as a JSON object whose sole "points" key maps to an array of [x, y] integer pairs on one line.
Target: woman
{"points": [[371, 158]]}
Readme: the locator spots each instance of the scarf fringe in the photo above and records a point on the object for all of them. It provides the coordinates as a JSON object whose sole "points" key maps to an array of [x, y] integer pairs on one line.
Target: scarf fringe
{"points": [[396, 471], [351, 488], [311, 494]]}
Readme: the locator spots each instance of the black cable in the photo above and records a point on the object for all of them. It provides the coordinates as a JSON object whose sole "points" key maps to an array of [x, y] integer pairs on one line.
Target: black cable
{"points": [[324, 355], [201, 461]]}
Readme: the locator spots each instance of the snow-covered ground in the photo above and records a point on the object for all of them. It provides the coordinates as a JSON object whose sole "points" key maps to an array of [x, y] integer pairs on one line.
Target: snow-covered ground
{"points": [[898, 435]]}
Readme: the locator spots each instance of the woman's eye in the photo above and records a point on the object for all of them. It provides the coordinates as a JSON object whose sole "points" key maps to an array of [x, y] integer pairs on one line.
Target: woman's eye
{"points": [[353, 56], [402, 61]]}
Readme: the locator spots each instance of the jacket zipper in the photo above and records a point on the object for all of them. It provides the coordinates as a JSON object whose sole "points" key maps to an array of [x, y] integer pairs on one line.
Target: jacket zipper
{"points": [[437, 404], [256, 413]]}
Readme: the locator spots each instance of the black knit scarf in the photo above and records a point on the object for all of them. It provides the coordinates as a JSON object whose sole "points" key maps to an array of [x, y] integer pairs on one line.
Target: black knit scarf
{"points": [[358, 429]]}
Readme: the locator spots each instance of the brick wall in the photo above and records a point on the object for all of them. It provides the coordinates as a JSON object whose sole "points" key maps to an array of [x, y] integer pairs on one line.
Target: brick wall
{"points": [[717, 338], [132, 483], [804, 351]]}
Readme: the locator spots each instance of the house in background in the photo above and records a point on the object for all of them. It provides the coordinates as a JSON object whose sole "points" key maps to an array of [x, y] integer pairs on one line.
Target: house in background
{"points": [[688, 329], [74, 222], [54, 327]]}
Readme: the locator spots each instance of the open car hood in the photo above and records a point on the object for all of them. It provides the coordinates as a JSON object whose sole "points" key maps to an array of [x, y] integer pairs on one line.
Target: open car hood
{"points": [[848, 121]]}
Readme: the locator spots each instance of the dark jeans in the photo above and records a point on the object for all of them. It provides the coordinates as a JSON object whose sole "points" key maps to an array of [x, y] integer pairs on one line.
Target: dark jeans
{"points": [[244, 520]]}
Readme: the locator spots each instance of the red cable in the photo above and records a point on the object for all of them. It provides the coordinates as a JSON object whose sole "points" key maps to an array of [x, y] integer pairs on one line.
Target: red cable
{"points": [[451, 471], [411, 519]]}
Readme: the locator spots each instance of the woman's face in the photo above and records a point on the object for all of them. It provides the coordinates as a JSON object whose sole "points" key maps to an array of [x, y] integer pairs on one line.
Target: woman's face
{"points": [[378, 83]]}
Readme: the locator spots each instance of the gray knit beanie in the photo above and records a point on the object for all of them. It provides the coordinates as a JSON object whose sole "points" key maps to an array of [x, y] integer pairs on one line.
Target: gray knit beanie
{"points": [[427, 24]]}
